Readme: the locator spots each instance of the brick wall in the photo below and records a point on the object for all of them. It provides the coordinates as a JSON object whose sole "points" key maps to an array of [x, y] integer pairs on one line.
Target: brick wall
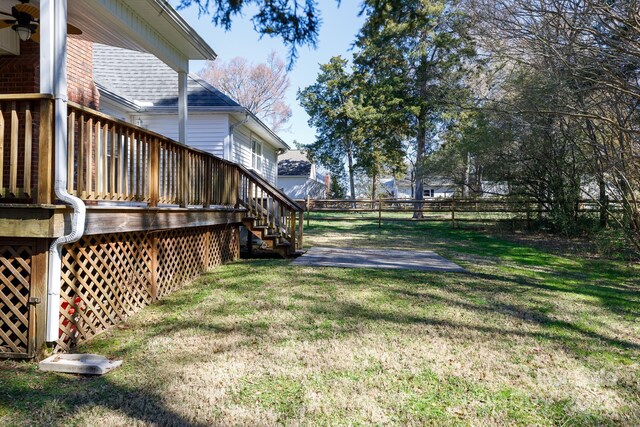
{"points": [[81, 88], [21, 74]]}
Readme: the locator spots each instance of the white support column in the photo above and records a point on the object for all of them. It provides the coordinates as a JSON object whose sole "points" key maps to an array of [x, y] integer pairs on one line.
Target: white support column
{"points": [[46, 30], [182, 106]]}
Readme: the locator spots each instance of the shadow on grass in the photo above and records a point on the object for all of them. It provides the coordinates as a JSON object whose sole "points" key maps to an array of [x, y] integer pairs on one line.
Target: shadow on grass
{"points": [[398, 285], [51, 398], [320, 313], [616, 285]]}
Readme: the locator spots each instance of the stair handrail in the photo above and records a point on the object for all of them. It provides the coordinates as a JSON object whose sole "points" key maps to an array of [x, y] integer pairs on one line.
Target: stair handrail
{"points": [[273, 192]]}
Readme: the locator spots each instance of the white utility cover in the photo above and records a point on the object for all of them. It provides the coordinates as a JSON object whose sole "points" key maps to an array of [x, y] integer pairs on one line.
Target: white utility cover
{"points": [[84, 364]]}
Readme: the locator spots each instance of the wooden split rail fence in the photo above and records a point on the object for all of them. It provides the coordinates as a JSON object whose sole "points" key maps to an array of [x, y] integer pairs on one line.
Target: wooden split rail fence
{"points": [[453, 210]]}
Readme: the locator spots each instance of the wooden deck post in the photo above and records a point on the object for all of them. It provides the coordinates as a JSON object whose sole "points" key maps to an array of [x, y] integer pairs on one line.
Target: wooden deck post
{"points": [[208, 172], [292, 235], [153, 280], [38, 297], [184, 177], [45, 153], [236, 184], [13, 153], [154, 173], [300, 230]]}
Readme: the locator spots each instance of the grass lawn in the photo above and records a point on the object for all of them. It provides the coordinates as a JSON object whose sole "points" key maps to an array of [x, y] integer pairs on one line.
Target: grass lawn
{"points": [[528, 336]]}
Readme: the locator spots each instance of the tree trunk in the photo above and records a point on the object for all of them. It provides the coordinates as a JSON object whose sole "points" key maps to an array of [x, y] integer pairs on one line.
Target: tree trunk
{"points": [[352, 184], [467, 177], [422, 141], [373, 188], [604, 203]]}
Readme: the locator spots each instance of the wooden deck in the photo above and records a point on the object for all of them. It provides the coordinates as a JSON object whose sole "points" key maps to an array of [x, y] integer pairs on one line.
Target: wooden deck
{"points": [[49, 221], [158, 214]]}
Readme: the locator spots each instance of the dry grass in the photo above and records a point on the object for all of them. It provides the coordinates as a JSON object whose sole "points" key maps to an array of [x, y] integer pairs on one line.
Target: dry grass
{"points": [[524, 338]]}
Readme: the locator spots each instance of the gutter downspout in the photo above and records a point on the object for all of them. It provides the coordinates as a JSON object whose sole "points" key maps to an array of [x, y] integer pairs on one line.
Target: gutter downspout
{"points": [[60, 186]]}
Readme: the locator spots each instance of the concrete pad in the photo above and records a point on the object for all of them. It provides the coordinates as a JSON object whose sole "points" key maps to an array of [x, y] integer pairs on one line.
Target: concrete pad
{"points": [[85, 364], [374, 258]]}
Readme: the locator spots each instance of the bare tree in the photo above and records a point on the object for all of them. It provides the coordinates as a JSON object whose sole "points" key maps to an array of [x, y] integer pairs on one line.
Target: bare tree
{"points": [[569, 77], [261, 88]]}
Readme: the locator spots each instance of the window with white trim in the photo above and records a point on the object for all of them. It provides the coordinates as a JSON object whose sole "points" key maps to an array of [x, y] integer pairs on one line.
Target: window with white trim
{"points": [[256, 155]]}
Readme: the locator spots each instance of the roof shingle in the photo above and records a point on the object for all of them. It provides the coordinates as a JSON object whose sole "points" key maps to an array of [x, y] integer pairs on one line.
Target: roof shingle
{"points": [[143, 78]]}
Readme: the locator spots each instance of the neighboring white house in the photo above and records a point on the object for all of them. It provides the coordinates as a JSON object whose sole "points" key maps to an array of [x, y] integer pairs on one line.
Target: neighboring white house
{"points": [[433, 187], [140, 89], [298, 177], [397, 188]]}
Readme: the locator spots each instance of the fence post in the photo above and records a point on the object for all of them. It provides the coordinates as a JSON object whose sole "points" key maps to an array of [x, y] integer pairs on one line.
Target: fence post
{"points": [[379, 211], [308, 206], [453, 213]]}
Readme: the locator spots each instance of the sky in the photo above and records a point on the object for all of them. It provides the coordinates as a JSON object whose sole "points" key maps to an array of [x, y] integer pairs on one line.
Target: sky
{"points": [[339, 26]]}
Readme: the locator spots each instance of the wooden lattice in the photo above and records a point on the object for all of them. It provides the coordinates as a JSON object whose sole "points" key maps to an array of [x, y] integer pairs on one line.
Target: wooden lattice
{"points": [[185, 253], [106, 278], [15, 283]]}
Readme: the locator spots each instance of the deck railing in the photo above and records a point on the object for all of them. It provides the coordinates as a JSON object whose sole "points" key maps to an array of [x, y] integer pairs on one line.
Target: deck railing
{"points": [[110, 160], [25, 123]]}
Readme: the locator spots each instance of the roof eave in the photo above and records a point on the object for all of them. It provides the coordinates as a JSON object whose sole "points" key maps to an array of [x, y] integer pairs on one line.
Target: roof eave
{"points": [[278, 142], [121, 100], [197, 42], [192, 109]]}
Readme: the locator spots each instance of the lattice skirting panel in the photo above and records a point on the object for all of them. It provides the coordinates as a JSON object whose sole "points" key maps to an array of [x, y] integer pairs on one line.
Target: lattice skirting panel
{"points": [[15, 286], [106, 278]]}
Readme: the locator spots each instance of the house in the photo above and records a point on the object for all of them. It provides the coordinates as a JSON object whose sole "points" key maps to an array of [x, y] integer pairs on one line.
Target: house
{"points": [[99, 216], [397, 188], [433, 187], [139, 88], [298, 177]]}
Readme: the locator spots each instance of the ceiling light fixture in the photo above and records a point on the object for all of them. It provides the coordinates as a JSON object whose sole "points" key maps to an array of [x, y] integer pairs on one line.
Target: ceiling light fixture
{"points": [[24, 31]]}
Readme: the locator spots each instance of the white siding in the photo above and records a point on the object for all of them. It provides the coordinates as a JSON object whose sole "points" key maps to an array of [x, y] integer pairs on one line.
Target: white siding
{"points": [[242, 146], [299, 187], [242, 153], [206, 132], [270, 163]]}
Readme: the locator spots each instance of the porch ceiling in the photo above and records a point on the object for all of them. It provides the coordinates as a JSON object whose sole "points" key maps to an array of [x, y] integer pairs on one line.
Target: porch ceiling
{"points": [[151, 26]]}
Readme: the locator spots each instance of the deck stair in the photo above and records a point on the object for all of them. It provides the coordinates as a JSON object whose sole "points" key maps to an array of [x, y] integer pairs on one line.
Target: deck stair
{"points": [[272, 216]]}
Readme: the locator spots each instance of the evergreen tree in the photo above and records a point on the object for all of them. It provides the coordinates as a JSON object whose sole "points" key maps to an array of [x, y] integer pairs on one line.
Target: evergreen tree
{"points": [[419, 52], [333, 104]]}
